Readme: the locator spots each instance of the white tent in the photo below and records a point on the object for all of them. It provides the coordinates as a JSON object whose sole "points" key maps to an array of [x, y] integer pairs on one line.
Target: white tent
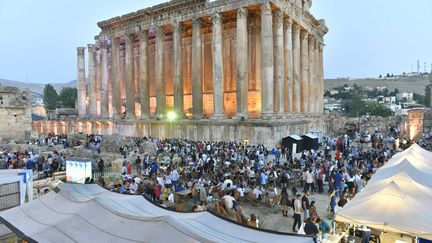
{"points": [[412, 171], [89, 213], [398, 196], [418, 156], [390, 209]]}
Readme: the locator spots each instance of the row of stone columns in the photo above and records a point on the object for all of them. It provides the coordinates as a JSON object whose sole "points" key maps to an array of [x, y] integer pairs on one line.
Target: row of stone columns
{"points": [[291, 70]]}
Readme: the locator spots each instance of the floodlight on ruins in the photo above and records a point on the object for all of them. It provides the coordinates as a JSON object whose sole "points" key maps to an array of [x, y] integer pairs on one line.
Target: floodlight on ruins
{"points": [[171, 116]]}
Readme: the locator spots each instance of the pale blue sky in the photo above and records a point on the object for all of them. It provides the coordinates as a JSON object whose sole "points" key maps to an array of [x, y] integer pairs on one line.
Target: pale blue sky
{"points": [[366, 37]]}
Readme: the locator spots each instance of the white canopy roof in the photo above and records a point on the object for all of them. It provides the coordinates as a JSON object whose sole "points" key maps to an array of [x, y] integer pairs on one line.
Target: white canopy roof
{"points": [[89, 213], [390, 209], [398, 196]]}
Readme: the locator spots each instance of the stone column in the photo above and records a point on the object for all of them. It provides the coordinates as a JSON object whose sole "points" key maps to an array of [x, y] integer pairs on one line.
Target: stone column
{"points": [[288, 87], [278, 62], [160, 85], [81, 83], [97, 63], [92, 80], [178, 74], [103, 82], [218, 99], [130, 85], [197, 85], [317, 77], [115, 77], [312, 81], [296, 98], [321, 79], [144, 77], [242, 64], [304, 71], [267, 67]]}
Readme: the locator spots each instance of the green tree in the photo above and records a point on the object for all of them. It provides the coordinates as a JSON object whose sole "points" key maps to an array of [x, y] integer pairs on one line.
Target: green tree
{"points": [[68, 96], [355, 106], [50, 97], [420, 99], [377, 109]]}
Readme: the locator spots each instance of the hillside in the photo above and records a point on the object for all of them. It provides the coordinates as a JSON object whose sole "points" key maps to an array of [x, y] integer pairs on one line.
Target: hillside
{"points": [[415, 84], [35, 87]]}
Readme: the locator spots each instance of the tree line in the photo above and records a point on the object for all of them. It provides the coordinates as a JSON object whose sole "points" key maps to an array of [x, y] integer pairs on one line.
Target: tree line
{"points": [[65, 99]]}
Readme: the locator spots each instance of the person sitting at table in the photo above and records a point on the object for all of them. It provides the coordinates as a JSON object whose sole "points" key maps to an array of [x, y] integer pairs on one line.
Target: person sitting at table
{"points": [[253, 221], [179, 188], [166, 191], [258, 193], [240, 216], [322, 224], [230, 202]]}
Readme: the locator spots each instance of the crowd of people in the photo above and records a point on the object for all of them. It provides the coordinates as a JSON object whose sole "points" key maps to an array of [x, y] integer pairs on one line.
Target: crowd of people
{"points": [[224, 175]]}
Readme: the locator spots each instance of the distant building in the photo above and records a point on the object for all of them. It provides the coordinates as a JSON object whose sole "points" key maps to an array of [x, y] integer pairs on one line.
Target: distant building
{"points": [[404, 95]]}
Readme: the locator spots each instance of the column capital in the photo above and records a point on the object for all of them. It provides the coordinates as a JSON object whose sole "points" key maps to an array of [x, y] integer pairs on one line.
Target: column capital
{"points": [[81, 49], [143, 34], [197, 22], [265, 8], [177, 27], [159, 30], [288, 21], [242, 13], [129, 38], [216, 18], [311, 39], [277, 14], [296, 27], [91, 47], [304, 35]]}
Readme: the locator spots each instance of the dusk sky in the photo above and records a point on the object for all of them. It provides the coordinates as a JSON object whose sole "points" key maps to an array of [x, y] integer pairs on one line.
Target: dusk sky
{"points": [[366, 37]]}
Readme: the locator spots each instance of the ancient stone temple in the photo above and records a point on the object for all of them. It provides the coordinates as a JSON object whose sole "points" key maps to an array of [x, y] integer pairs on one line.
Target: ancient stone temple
{"points": [[211, 70]]}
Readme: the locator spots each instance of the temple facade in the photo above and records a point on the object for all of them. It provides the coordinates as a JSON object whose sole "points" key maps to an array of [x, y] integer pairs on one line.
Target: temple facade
{"points": [[246, 64]]}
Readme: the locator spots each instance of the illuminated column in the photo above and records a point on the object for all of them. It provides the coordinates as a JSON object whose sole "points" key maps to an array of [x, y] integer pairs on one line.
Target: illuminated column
{"points": [[92, 80], [296, 69], [103, 77], [197, 85], [81, 82], [160, 84], [288, 65], [242, 64], [278, 62], [144, 77], [312, 81], [304, 71], [321, 79], [317, 77], [130, 85], [217, 68], [267, 68], [178, 74], [115, 77]]}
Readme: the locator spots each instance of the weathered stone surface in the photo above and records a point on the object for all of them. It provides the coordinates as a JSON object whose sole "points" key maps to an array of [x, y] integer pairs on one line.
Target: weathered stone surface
{"points": [[112, 143], [74, 138], [15, 113]]}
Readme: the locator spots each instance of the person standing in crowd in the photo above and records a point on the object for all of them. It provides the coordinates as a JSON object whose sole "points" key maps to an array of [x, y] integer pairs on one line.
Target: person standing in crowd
{"points": [[284, 202], [297, 213]]}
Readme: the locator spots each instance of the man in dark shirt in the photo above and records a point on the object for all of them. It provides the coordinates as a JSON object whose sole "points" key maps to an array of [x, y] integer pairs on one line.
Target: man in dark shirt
{"points": [[305, 205], [310, 228]]}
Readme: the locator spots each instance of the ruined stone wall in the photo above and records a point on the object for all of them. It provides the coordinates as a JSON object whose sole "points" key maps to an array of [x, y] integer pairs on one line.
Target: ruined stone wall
{"points": [[256, 131], [338, 125], [15, 113]]}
